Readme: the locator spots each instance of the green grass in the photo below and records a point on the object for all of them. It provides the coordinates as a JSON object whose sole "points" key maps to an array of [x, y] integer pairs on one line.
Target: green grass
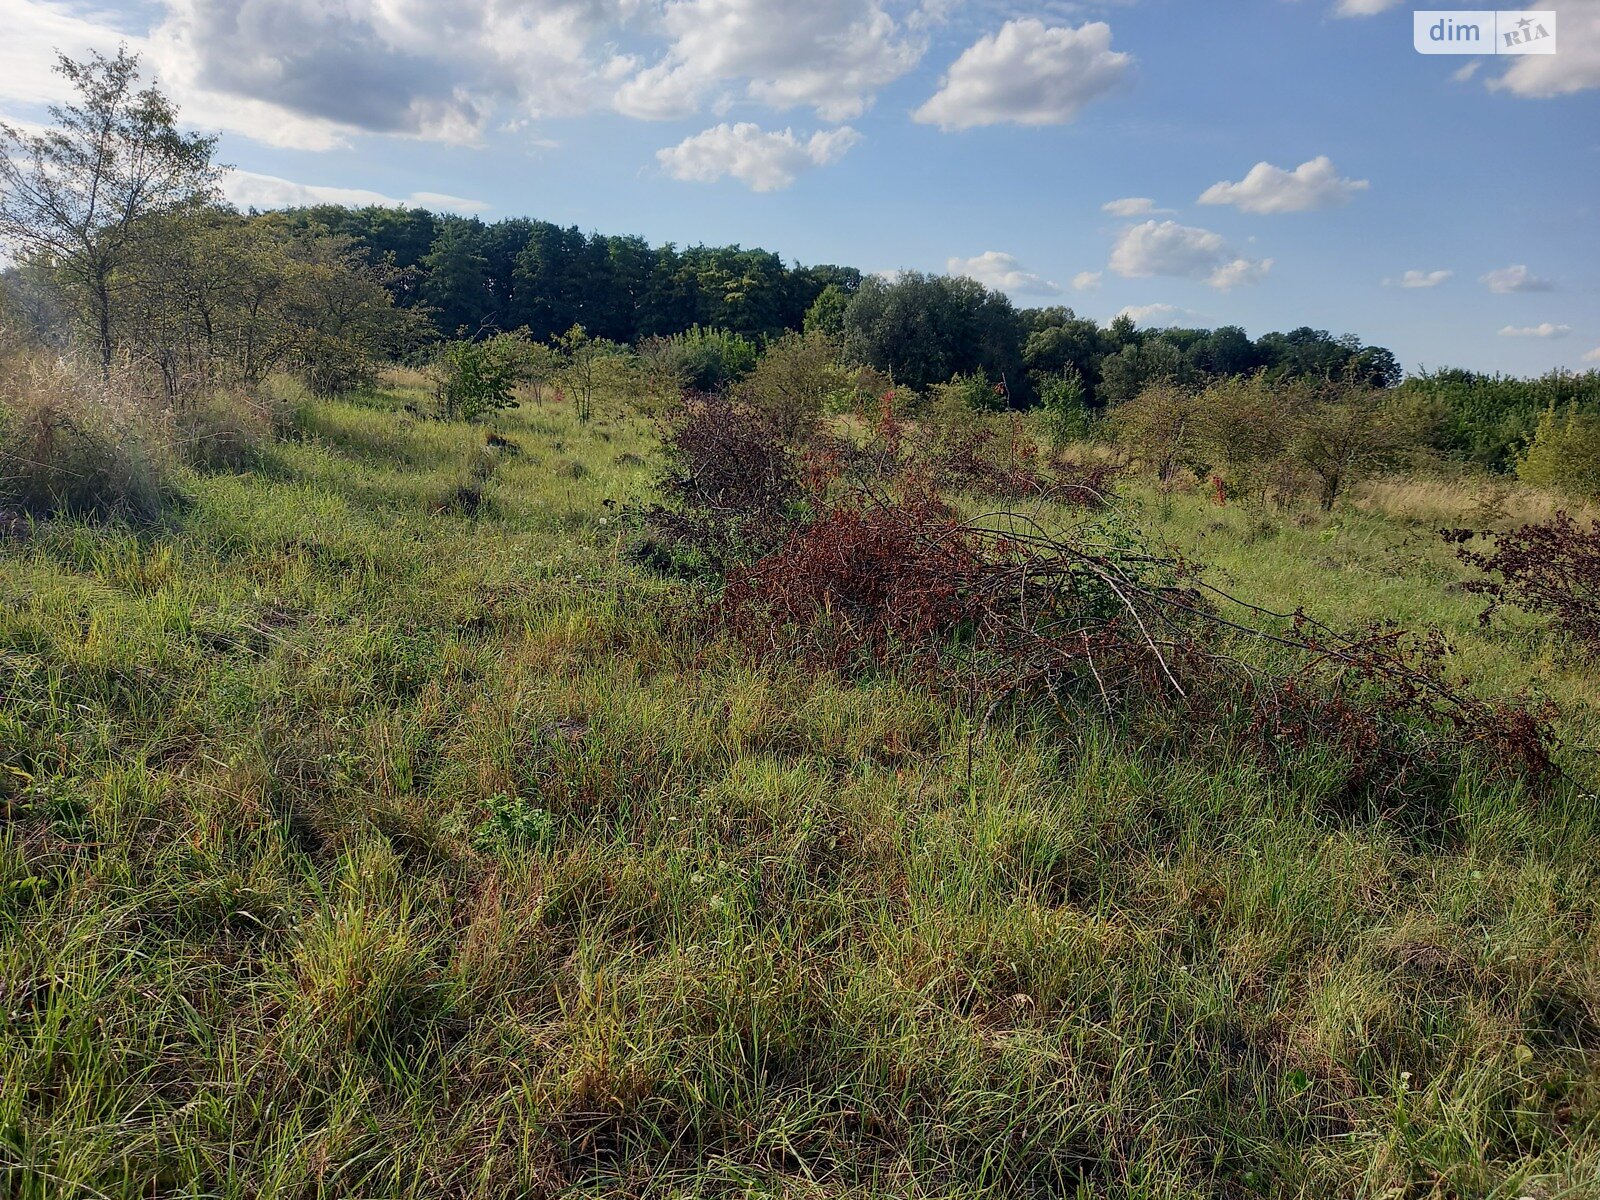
{"points": [[376, 830]]}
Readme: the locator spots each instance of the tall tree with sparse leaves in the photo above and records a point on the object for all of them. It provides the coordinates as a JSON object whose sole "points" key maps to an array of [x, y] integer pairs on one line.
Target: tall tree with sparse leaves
{"points": [[78, 195]]}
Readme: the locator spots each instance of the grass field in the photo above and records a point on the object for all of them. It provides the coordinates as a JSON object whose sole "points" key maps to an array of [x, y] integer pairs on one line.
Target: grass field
{"points": [[377, 830]]}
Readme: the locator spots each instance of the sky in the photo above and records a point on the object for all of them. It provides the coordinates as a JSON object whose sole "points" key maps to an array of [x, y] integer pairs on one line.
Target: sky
{"points": [[1265, 163]]}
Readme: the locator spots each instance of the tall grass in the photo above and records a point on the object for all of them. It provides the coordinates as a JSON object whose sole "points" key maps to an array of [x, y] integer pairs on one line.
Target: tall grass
{"points": [[358, 843]]}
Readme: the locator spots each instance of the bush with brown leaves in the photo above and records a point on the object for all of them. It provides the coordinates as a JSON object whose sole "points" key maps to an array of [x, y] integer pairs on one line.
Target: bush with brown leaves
{"points": [[1551, 569]]}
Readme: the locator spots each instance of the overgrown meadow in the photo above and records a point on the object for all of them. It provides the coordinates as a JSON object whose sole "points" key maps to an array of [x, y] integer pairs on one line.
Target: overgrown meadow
{"points": [[375, 826], [706, 728]]}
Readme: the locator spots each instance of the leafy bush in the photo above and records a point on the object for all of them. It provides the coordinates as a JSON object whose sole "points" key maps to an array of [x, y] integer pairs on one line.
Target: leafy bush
{"points": [[1244, 427], [1064, 401], [510, 825], [1485, 419], [590, 365], [711, 359], [971, 393], [797, 379], [1564, 454], [1161, 428], [480, 377]]}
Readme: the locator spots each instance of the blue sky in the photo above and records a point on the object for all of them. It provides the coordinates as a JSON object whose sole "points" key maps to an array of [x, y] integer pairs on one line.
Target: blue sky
{"points": [[1268, 163]]}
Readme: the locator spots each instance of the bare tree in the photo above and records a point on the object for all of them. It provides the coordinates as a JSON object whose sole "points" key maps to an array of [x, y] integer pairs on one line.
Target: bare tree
{"points": [[78, 194]]}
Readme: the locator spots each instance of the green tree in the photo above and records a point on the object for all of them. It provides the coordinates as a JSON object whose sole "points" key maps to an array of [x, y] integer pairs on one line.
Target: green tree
{"points": [[456, 280], [1161, 427], [80, 194], [1349, 432], [591, 365], [925, 329], [826, 314], [1564, 454], [1138, 365], [1065, 403]]}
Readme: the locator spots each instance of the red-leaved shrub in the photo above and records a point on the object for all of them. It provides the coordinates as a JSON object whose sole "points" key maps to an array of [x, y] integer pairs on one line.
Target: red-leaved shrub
{"points": [[1551, 569]]}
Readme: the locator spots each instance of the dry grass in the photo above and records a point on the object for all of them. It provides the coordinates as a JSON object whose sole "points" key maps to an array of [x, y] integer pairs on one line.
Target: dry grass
{"points": [[1476, 501]]}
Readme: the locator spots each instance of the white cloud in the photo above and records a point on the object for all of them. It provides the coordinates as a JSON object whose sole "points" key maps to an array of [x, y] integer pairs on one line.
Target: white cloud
{"points": [[1028, 73], [1269, 189], [1167, 248], [1132, 206], [1419, 279], [1593, 356], [1547, 330], [1087, 281], [247, 189], [34, 31], [1515, 279], [830, 55], [1363, 8], [1574, 68], [763, 161], [311, 75], [1002, 273], [1150, 315], [1465, 74]]}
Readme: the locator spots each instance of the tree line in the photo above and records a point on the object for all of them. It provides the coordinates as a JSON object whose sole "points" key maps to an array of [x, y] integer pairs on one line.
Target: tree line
{"points": [[474, 278]]}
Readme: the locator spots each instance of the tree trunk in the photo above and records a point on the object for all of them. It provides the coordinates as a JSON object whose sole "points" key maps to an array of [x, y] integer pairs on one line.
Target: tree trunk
{"points": [[102, 304], [1330, 491]]}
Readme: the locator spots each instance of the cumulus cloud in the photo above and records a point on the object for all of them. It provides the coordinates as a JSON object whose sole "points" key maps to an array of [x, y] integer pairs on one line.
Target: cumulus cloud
{"points": [[247, 189], [1269, 189], [1419, 279], [1183, 251], [309, 74], [1593, 356], [427, 68], [313, 74], [1003, 273], [1575, 68], [763, 161], [1087, 281], [829, 55], [1515, 279], [1028, 73], [1546, 330]]}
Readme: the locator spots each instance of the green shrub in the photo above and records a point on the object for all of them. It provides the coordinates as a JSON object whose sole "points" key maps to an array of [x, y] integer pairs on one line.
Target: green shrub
{"points": [[512, 824], [1485, 419], [713, 358], [480, 377], [798, 378], [1565, 452], [975, 393], [1067, 415]]}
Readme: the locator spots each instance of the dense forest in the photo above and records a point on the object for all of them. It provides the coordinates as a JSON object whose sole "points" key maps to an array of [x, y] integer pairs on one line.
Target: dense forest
{"points": [[471, 277]]}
